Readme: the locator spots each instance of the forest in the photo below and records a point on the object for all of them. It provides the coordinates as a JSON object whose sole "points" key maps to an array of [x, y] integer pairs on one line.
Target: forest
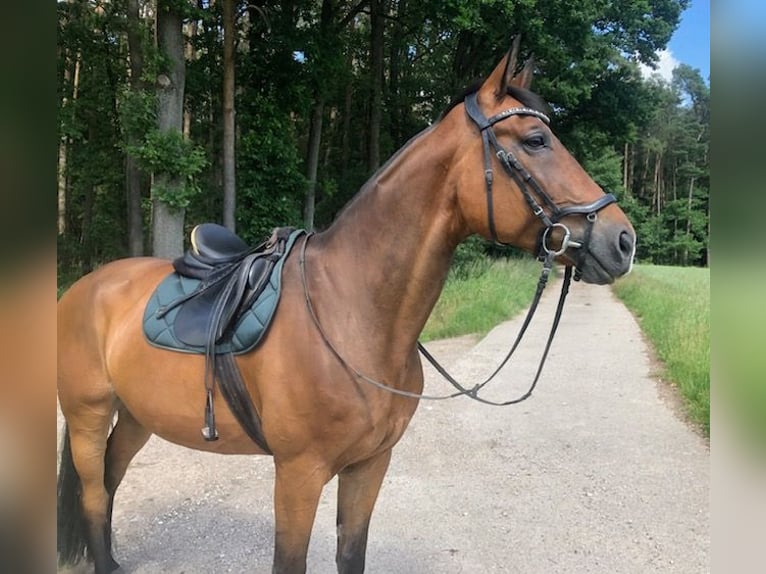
{"points": [[261, 114]]}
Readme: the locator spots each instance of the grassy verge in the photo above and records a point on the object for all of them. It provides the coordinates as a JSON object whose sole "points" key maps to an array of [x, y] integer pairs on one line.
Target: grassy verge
{"points": [[480, 296], [672, 305]]}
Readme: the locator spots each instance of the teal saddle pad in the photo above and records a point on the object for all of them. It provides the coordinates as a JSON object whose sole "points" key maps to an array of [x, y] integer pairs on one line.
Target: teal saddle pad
{"points": [[248, 331]]}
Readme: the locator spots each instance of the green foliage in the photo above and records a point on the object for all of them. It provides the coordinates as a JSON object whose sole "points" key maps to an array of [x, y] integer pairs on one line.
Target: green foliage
{"points": [[271, 182], [175, 162], [586, 53], [599, 159], [470, 258], [482, 295], [138, 112], [671, 173], [673, 307]]}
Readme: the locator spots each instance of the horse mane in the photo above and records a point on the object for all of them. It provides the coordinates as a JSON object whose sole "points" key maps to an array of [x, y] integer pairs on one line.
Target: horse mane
{"points": [[526, 97]]}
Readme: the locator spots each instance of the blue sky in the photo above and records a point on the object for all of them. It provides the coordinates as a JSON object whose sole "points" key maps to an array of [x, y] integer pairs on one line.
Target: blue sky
{"points": [[690, 43]]}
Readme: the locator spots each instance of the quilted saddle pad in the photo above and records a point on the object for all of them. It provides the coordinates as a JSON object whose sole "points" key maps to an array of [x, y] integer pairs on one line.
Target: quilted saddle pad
{"points": [[159, 327]]}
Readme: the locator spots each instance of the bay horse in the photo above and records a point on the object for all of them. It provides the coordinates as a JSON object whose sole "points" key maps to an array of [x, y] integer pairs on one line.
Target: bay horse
{"points": [[373, 277]]}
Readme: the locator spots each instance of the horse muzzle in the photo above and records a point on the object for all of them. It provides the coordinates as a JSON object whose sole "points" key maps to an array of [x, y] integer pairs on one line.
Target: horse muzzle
{"points": [[606, 254]]}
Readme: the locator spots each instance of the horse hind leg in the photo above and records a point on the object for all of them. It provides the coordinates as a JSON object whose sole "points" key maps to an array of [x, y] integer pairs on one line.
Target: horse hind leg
{"points": [[92, 468], [127, 438], [358, 487], [82, 497]]}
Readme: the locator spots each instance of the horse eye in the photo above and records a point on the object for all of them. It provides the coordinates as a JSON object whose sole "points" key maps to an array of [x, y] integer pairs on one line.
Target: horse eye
{"points": [[535, 142]]}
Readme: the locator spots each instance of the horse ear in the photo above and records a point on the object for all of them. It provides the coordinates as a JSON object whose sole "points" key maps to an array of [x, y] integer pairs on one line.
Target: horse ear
{"points": [[524, 78], [502, 76]]}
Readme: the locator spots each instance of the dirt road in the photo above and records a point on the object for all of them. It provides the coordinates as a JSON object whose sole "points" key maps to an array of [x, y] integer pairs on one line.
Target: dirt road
{"points": [[595, 473]]}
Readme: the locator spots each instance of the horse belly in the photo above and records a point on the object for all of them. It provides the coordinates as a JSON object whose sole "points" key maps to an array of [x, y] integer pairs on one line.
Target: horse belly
{"points": [[165, 392]]}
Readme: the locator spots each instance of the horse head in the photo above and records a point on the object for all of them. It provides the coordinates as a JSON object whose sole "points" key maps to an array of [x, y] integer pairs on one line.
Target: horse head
{"points": [[517, 184]]}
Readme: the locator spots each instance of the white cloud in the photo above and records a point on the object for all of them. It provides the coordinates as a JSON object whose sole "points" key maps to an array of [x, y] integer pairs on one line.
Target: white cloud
{"points": [[665, 66]]}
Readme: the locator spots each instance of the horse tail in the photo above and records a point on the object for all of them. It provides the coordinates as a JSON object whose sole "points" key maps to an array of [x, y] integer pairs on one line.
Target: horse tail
{"points": [[70, 523]]}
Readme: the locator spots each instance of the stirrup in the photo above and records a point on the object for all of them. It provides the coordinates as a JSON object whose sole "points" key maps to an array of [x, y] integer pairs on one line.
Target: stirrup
{"points": [[208, 436], [209, 432]]}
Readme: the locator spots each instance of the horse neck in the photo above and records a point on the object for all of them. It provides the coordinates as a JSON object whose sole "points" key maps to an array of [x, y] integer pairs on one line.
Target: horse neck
{"points": [[388, 253]]}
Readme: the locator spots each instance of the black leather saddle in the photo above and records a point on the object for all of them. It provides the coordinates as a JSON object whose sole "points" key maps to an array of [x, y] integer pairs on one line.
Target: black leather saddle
{"points": [[232, 276]]}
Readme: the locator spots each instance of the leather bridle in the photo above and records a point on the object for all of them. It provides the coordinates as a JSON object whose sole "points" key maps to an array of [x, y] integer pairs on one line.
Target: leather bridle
{"points": [[528, 186], [532, 193]]}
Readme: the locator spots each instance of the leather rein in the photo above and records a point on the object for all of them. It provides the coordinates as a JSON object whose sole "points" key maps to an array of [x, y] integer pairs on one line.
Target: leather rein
{"points": [[529, 188]]}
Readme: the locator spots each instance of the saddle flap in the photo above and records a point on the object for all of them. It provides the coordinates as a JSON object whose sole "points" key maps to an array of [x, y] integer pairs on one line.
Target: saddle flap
{"points": [[195, 319]]}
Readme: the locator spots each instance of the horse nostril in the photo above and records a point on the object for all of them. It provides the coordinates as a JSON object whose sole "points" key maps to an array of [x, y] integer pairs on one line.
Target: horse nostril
{"points": [[626, 243]]}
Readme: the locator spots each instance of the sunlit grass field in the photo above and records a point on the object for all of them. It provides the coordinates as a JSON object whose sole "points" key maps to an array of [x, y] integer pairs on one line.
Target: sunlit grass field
{"points": [[672, 305], [482, 295]]}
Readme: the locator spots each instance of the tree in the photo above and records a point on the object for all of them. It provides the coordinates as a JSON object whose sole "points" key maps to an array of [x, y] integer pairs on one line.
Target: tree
{"points": [[377, 30], [672, 177], [91, 176], [229, 175], [136, 180], [168, 188], [325, 91], [317, 115], [324, 56]]}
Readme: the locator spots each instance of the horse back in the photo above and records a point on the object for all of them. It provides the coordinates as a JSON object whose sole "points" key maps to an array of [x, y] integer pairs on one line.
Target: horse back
{"points": [[102, 297]]}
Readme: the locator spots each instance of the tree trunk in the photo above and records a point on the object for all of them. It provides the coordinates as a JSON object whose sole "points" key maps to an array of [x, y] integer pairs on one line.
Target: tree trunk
{"points": [[656, 179], [625, 160], [167, 222], [229, 173], [191, 56], [689, 220], [345, 153], [136, 181], [88, 201], [315, 139], [315, 130], [397, 48], [63, 179], [643, 183], [376, 82], [62, 185]]}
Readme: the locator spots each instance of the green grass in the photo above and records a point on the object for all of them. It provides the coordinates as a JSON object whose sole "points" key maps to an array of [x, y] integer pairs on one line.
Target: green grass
{"points": [[480, 296], [672, 305]]}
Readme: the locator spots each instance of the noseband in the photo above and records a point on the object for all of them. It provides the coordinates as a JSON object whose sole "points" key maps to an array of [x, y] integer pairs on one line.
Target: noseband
{"points": [[527, 184]]}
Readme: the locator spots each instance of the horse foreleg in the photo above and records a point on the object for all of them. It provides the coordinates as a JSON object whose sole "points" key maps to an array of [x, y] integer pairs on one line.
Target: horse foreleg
{"points": [[358, 487], [297, 489]]}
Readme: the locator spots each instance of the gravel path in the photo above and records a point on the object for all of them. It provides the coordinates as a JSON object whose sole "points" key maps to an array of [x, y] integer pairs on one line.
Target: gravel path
{"points": [[595, 473]]}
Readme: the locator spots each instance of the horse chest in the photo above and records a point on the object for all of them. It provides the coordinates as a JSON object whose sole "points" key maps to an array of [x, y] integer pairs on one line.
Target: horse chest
{"points": [[386, 430]]}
